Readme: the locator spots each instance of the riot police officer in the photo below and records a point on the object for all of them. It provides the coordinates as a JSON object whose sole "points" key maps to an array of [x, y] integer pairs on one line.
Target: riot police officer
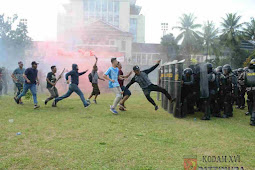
{"points": [[187, 95], [208, 89], [249, 78], [241, 90], [213, 90], [229, 90], [220, 95]]}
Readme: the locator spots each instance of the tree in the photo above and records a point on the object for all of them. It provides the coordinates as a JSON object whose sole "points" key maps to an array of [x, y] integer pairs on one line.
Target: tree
{"points": [[189, 35], [249, 30], [13, 42], [210, 39], [231, 37], [171, 44]]}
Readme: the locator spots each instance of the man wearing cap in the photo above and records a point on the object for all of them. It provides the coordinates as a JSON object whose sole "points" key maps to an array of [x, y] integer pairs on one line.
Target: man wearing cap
{"points": [[18, 78], [141, 77], [31, 79]]}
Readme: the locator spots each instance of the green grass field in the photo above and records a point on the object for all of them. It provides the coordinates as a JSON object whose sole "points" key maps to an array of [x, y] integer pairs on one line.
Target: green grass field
{"points": [[70, 137]]}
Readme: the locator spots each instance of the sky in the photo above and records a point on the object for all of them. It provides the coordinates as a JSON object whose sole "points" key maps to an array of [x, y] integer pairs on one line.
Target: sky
{"points": [[42, 14]]}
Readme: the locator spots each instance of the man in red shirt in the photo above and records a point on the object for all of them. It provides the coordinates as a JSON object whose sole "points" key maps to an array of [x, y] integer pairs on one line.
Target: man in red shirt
{"points": [[126, 93]]}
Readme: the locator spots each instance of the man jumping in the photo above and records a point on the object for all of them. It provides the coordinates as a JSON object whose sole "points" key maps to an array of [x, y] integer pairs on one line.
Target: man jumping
{"points": [[141, 77]]}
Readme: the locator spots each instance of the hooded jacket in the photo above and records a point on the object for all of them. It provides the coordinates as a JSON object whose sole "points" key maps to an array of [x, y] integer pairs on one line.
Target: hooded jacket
{"points": [[74, 74]]}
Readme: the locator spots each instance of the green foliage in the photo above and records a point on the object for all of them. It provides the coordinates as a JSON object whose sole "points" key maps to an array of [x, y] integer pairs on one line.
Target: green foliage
{"points": [[249, 30], [170, 43], [191, 41], [247, 61], [14, 39]]}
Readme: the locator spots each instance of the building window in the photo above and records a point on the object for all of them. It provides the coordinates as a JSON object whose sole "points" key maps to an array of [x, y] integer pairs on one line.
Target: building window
{"points": [[107, 10], [133, 28], [123, 45]]}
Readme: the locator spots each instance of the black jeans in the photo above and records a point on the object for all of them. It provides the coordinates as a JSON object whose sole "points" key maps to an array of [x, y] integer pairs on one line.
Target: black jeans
{"points": [[147, 91]]}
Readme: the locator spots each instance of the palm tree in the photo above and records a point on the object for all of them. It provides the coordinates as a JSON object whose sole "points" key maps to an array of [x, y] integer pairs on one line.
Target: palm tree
{"points": [[249, 31], [210, 38], [189, 34], [231, 33]]}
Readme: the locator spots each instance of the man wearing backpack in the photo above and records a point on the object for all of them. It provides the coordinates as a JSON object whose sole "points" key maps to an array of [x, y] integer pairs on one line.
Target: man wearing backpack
{"points": [[93, 78]]}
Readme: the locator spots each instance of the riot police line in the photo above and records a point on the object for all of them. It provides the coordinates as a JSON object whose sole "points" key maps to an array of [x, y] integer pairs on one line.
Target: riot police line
{"points": [[202, 88]]}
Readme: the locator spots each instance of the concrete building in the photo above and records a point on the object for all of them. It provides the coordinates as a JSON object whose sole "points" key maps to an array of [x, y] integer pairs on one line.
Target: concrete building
{"points": [[122, 14]]}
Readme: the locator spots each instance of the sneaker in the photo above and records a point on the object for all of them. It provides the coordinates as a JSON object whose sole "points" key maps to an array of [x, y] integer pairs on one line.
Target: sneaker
{"points": [[156, 108], [242, 107], [88, 101], [36, 106], [122, 106], [247, 113], [16, 100], [95, 101], [45, 102], [87, 105], [122, 109], [21, 103], [113, 111]]}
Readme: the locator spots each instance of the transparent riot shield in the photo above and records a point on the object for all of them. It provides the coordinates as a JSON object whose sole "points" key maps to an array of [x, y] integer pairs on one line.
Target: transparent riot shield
{"points": [[177, 85], [166, 79], [171, 84], [204, 85], [162, 84]]}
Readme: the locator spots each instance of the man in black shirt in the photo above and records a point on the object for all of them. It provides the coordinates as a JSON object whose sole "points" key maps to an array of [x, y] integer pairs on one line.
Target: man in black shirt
{"points": [[51, 84], [142, 78], [31, 79]]}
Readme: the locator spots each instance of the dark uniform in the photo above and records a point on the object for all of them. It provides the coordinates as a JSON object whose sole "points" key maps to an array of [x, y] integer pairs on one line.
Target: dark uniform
{"points": [[220, 95], [249, 78], [209, 101], [229, 90], [187, 95], [241, 90]]}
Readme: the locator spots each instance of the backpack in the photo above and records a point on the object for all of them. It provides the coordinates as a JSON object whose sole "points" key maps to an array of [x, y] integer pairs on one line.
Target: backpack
{"points": [[90, 77]]}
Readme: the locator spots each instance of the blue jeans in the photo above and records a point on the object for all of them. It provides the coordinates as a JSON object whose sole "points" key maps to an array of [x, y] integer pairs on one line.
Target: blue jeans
{"points": [[32, 88], [73, 88], [19, 87]]}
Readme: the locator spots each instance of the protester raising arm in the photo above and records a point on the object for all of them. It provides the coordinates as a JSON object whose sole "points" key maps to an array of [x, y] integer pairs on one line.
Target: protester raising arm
{"points": [[152, 68]]}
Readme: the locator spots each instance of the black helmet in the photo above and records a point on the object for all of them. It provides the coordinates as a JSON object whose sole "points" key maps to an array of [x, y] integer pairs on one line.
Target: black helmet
{"points": [[219, 69], [226, 68], [240, 70], [209, 67], [188, 71]]}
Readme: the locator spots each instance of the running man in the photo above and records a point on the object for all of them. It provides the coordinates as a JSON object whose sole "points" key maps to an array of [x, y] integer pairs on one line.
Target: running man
{"points": [[141, 77], [18, 78], [73, 87], [51, 84], [112, 76], [126, 93], [31, 79], [94, 81]]}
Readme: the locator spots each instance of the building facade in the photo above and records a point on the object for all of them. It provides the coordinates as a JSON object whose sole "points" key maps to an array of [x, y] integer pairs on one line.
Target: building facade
{"points": [[122, 14]]}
